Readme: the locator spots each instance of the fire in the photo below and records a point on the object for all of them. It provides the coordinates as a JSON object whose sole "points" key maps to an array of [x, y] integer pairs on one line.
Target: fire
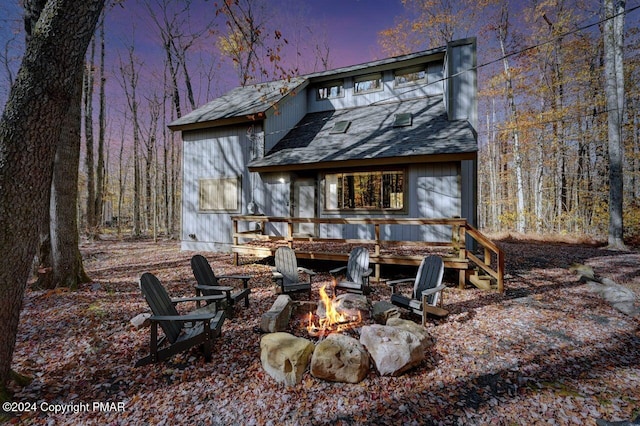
{"points": [[333, 320]]}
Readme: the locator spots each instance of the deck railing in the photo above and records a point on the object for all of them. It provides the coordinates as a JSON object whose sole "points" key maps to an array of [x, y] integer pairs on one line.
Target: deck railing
{"points": [[487, 256]]}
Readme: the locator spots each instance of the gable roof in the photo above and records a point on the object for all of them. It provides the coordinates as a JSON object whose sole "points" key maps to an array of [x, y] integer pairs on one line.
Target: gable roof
{"points": [[371, 138], [242, 104], [251, 103]]}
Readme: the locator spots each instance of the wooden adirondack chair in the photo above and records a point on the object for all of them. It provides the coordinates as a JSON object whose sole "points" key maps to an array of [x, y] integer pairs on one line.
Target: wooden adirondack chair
{"points": [[287, 273], [208, 284], [356, 273], [181, 332], [426, 290]]}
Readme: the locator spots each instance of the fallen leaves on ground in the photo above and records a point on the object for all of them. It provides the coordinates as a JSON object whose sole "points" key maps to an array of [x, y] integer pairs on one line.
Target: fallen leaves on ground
{"points": [[547, 350]]}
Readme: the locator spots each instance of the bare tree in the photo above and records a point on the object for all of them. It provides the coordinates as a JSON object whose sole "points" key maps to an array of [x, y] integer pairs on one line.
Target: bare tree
{"points": [[614, 91]]}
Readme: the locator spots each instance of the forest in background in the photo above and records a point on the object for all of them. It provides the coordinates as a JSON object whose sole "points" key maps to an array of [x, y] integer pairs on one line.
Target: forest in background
{"points": [[543, 164]]}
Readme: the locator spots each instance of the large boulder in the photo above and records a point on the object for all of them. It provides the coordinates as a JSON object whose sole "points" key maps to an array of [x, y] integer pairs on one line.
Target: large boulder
{"points": [[277, 318], [340, 358], [285, 357], [394, 349]]}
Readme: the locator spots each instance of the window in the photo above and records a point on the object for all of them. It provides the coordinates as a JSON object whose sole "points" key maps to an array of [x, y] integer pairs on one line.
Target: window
{"points": [[404, 119], [340, 127], [220, 194], [367, 83], [410, 75], [377, 190], [331, 89]]}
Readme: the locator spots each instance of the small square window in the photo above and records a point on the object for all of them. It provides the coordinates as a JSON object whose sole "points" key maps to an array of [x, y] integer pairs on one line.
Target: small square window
{"points": [[403, 120], [340, 127]]}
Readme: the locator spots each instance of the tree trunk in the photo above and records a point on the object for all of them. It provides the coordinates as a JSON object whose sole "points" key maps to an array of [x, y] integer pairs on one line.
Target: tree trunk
{"points": [[614, 92], [88, 134], [66, 260], [29, 133], [100, 166]]}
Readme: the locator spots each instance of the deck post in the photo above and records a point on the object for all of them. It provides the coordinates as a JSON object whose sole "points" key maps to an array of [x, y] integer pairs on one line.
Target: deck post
{"points": [[236, 255], [376, 251], [290, 234], [462, 254]]}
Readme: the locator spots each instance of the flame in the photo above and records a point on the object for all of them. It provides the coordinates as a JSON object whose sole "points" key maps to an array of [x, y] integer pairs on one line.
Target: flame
{"points": [[333, 320]]}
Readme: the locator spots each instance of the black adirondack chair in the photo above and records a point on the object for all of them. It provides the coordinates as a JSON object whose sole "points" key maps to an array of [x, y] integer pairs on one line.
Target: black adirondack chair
{"points": [[181, 332], [356, 273], [208, 283], [427, 288], [287, 273]]}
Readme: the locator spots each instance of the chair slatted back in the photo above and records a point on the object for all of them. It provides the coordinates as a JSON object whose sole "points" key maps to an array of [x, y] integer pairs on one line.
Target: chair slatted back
{"points": [[429, 276], [287, 265], [357, 265], [160, 304], [204, 274]]}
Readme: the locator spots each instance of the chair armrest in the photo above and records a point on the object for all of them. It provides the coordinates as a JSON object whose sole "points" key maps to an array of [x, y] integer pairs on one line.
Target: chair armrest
{"points": [[183, 318], [367, 272], [276, 275], [197, 299], [400, 281], [306, 271], [336, 270], [245, 278], [215, 287], [433, 290]]}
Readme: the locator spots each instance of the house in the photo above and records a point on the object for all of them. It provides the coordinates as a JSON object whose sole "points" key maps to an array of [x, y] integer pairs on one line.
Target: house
{"points": [[389, 138]]}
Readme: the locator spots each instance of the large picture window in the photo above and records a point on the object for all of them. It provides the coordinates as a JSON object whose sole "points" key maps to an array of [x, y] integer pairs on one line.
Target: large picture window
{"points": [[220, 194], [376, 190]]}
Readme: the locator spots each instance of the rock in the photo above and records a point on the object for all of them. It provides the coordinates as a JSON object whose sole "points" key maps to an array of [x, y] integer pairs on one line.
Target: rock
{"points": [[340, 358], [140, 321], [393, 349], [277, 318], [348, 304], [620, 297], [423, 335], [285, 357], [382, 311]]}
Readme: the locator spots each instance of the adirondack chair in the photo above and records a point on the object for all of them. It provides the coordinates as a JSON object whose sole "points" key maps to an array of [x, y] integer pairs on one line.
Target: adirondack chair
{"points": [[356, 273], [208, 283], [287, 273], [181, 332], [427, 288]]}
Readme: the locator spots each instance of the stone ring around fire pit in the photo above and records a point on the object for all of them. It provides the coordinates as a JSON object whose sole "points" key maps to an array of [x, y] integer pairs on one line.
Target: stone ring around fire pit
{"points": [[339, 355]]}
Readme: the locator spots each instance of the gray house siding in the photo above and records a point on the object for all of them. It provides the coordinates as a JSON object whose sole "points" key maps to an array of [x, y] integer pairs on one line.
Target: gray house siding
{"points": [[203, 159], [433, 191], [433, 86]]}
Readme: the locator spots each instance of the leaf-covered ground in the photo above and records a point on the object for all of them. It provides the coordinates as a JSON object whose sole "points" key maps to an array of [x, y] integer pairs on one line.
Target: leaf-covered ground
{"points": [[547, 351]]}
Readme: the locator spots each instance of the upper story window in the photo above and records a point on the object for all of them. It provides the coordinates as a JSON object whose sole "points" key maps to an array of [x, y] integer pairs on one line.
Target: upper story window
{"points": [[367, 83], [330, 89], [411, 75]]}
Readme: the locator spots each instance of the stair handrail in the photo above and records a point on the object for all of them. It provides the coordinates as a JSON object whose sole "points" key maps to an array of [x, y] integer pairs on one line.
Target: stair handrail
{"points": [[490, 248]]}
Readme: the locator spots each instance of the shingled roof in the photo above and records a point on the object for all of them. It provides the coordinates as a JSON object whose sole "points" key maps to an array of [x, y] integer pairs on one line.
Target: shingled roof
{"points": [[241, 104], [372, 138]]}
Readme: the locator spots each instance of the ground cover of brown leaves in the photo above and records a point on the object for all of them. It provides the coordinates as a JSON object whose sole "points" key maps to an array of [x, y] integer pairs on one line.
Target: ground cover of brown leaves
{"points": [[547, 351]]}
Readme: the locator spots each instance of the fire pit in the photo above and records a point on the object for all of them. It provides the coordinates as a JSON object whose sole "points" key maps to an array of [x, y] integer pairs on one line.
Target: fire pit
{"points": [[337, 314]]}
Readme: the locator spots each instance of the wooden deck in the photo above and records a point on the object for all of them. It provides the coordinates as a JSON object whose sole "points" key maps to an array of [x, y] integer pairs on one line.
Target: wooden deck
{"points": [[484, 267]]}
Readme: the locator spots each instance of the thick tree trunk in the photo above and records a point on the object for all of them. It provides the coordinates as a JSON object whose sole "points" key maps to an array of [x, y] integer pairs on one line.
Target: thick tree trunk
{"points": [[67, 267], [29, 133]]}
